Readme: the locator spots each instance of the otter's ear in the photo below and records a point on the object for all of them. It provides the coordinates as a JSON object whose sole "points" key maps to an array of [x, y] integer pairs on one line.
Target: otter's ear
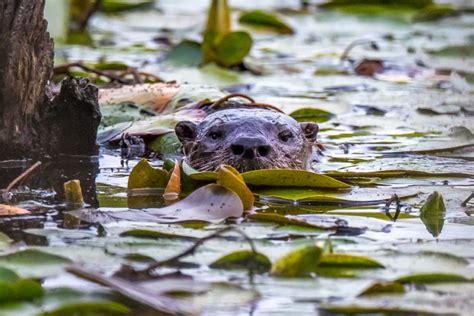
{"points": [[310, 130], [186, 131]]}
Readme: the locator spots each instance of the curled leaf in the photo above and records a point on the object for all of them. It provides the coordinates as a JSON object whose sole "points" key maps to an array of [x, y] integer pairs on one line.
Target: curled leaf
{"points": [[231, 179]]}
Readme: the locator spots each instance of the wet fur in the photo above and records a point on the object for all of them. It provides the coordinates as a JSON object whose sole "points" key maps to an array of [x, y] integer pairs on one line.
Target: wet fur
{"points": [[205, 154]]}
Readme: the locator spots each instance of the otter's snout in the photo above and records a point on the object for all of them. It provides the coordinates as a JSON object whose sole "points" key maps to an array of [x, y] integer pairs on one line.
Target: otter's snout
{"points": [[249, 148]]}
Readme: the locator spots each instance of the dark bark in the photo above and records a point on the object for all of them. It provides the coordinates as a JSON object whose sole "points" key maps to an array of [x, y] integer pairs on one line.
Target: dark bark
{"points": [[31, 124]]}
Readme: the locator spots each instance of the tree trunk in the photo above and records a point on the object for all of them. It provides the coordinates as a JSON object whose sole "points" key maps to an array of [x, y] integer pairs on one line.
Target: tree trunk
{"points": [[32, 123]]}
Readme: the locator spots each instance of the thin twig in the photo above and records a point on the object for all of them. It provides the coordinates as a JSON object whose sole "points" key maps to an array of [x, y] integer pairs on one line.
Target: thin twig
{"points": [[64, 69], [199, 243], [230, 96], [23, 175]]}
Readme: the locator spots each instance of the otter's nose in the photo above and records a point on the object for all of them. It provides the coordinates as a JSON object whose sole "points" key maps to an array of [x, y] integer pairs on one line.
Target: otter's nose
{"points": [[250, 148]]}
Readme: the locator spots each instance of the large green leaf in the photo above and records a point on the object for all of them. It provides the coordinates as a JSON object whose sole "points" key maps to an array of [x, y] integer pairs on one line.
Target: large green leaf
{"points": [[291, 178], [297, 263], [232, 48], [335, 260], [428, 278], [185, 53], [264, 19], [143, 175], [432, 214], [89, 308], [243, 259]]}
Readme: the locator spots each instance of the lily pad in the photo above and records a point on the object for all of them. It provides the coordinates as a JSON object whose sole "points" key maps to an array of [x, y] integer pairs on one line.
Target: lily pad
{"points": [[210, 203], [428, 278], [297, 263], [312, 115], [348, 261], [379, 288], [432, 214], [243, 259], [291, 178], [89, 308], [267, 20], [185, 53], [143, 175]]}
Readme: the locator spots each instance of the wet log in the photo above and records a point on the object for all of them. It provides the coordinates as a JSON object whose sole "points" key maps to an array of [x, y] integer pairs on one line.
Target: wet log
{"points": [[33, 123]]}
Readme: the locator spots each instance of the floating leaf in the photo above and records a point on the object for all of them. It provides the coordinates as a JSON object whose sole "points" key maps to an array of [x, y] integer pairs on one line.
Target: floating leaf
{"points": [[429, 278], [9, 210], [20, 290], [264, 19], [379, 288], [232, 48], [231, 179], [243, 259], [348, 261], [111, 6], [291, 178], [152, 234], [284, 220], [311, 114], [297, 263], [145, 176], [7, 275], [210, 203], [432, 214], [89, 308], [185, 53]]}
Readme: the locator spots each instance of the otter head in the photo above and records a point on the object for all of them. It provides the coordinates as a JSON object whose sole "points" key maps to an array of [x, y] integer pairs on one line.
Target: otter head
{"points": [[247, 139]]}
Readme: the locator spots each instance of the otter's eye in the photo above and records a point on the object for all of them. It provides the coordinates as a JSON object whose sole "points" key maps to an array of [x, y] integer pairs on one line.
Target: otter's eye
{"points": [[215, 135], [285, 136]]}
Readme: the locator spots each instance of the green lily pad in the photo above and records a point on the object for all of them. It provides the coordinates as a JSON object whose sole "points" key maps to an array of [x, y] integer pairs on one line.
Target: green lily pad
{"points": [[283, 220], [7, 275], [291, 178], [232, 48], [297, 263], [152, 234], [185, 53], [312, 115], [20, 290], [89, 308], [432, 214], [348, 261], [112, 6], [434, 13], [379, 288], [143, 175], [243, 259], [267, 20], [429, 278]]}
